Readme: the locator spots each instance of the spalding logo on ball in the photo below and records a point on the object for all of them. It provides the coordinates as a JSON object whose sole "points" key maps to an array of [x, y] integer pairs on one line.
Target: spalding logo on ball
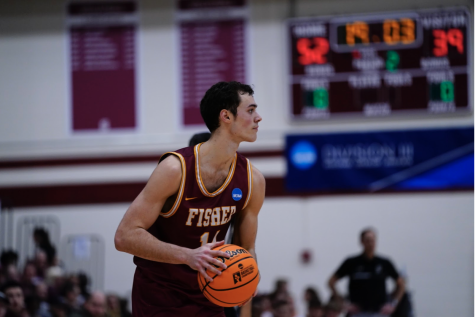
{"points": [[237, 283]]}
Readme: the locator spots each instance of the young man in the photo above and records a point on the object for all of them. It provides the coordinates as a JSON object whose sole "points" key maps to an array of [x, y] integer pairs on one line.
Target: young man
{"points": [[185, 209], [368, 273]]}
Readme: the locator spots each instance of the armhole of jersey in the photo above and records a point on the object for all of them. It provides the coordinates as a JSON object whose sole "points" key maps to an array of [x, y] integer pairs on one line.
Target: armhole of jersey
{"points": [[182, 185], [249, 181]]}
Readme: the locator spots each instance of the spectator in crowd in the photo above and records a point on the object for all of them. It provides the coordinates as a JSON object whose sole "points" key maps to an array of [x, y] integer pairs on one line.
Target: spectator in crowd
{"points": [[3, 305], [70, 295], [83, 283], [8, 259], [315, 308], [282, 308], [281, 293], [116, 307], [41, 263], [29, 279], [311, 297], [368, 273], [261, 306], [42, 242], [41, 296], [95, 306], [16, 301]]}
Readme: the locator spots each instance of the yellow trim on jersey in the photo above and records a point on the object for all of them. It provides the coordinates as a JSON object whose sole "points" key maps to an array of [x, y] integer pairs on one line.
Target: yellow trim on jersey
{"points": [[202, 187], [182, 187], [249, 179]]}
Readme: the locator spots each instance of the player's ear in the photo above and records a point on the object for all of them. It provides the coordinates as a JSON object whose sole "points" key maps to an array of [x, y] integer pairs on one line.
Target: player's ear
{"points": [[225, 116]]}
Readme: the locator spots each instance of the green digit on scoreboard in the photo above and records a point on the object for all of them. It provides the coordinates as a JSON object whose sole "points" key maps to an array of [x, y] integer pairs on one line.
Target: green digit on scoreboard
{"points": [[447, 91], [320, 98]]}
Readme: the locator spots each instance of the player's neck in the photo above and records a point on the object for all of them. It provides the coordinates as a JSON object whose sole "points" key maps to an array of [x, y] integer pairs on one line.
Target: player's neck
{"points": [[218, 150]]}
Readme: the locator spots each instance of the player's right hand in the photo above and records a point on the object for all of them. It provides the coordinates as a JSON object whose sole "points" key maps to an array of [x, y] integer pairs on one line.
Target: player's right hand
{"points": [[203, 259]]}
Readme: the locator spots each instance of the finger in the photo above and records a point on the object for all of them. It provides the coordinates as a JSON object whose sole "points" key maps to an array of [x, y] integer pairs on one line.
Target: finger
{"points": [[212, 269], [219, 253], [219, 264], [216, 244], [206, 276]]}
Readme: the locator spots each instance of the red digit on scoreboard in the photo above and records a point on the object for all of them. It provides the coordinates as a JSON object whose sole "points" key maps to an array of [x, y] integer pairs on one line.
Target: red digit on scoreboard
{"points": [[315, 55], [453, 37]]}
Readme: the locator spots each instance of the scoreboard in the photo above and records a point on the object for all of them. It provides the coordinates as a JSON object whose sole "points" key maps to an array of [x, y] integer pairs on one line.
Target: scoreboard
{"points": [[375, 65]]}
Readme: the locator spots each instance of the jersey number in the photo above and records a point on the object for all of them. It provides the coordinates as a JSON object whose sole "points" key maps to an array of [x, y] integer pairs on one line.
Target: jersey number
{"points": [[205, 236]]}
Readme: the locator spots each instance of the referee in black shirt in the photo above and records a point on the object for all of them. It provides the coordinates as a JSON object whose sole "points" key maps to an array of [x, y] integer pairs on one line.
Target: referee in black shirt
{"points": [[368, 273]]}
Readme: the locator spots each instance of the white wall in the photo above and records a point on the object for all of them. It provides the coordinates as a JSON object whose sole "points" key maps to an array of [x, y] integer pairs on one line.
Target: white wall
{"points": [[34, 86], [430, 236]]}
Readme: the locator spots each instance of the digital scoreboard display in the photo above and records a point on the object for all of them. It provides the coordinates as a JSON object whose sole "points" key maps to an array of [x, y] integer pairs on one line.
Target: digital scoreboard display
{"points": [[375, 65]]}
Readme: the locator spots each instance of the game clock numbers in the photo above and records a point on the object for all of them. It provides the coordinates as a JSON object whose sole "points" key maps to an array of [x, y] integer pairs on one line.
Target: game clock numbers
{"points": [[381, 64]]}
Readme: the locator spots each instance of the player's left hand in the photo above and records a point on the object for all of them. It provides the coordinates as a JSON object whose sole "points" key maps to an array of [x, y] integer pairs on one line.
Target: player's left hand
{"points": [[253, 295], [387, 309]]}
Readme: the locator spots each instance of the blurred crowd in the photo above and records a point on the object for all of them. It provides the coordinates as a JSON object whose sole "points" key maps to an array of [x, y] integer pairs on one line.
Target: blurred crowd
{"points": [[280, 303], [41, 288]]}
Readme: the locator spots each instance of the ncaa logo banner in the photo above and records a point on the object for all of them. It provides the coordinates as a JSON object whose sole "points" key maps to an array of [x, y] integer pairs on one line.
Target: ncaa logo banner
{"points": [[406, 160]]}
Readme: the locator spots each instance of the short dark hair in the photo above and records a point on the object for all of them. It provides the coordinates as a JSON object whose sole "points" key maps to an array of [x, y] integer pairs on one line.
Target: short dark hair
{"points": [[365, 231], [223, 95], [10, 284], [8, 257]]}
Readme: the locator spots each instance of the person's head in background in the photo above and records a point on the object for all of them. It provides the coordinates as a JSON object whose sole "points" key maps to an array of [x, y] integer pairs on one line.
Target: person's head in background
{"points": [[315, 309], [8, 257], [368, 241], [14, 294], [282, 308], [231, 104], [311, 295], [199, 138], [41, 262], [281, 286], [96, 304], [113, 304]]}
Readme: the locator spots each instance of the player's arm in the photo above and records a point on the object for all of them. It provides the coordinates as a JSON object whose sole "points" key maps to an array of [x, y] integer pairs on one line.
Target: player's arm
{"points": [[245, 230], [132, 235], [245, 226]]}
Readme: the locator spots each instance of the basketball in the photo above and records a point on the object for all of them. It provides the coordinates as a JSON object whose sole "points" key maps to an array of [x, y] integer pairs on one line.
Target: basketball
{"points": [[237, 283]]}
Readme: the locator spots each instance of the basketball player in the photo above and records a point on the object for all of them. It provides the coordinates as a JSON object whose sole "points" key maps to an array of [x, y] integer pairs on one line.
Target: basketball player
{"points": [[185, 209]]}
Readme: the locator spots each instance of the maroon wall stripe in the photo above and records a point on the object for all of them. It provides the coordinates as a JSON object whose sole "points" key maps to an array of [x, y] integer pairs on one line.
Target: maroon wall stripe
{"points": [[111, 160], [15, 197], [35, 196]]}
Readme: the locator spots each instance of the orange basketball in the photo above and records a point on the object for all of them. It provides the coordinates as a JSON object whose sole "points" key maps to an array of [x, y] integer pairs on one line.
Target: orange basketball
{"points": [[237, 283]]}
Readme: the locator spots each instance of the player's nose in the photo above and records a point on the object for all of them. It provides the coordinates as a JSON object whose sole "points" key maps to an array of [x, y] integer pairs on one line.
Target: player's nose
{"points": [[258, 117]]}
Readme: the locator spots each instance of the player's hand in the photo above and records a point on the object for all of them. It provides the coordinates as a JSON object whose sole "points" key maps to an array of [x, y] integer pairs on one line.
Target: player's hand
{"points": [[203, 259], [387, 309], [253, 295]]}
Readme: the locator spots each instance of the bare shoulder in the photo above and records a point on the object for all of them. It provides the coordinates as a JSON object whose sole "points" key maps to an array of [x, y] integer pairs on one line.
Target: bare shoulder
{"points": [[170, 166], [258, 179], [166, 177]]}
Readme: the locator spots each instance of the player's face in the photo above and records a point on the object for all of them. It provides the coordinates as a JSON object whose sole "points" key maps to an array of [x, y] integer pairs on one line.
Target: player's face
{"points": [[246, 123]]}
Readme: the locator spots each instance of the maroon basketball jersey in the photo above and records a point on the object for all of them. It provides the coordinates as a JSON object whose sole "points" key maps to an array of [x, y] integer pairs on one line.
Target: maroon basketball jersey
{"points": [[195, 218]]}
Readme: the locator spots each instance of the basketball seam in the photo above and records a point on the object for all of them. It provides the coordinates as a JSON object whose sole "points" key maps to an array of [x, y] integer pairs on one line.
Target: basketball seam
{"points": [[228, 289], [225, 270], [205, 291]]}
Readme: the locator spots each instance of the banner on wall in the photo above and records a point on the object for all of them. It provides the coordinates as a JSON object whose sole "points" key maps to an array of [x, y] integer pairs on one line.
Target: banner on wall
{"points": [[436, 159], [212, 49], [102, 55]]}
